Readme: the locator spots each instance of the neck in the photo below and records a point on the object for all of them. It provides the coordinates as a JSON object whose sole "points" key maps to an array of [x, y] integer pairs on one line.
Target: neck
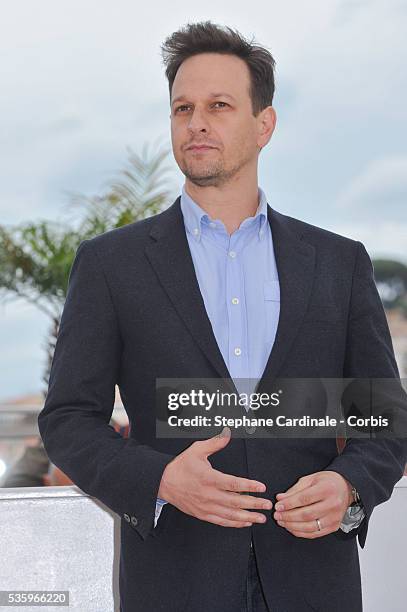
{"points": [[231, 203]]}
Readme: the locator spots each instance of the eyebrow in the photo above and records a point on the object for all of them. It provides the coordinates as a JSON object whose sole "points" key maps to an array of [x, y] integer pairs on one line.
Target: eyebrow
{"points": [[211, 95]]}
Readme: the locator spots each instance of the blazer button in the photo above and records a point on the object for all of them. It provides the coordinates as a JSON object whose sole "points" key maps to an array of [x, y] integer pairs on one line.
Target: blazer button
{"points": [[134, 521], [126, 517]]}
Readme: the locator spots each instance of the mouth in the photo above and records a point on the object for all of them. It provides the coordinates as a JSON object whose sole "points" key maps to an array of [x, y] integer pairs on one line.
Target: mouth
{"points": [[200, 148]]}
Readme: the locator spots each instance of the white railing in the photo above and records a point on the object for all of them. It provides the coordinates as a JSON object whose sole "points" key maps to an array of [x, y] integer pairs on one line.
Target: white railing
{"points": [[59, 539], [383, 559]]}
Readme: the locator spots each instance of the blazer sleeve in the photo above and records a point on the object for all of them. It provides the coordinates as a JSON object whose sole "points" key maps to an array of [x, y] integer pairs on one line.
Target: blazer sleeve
{"points": [[74, 423], [373, 466]]}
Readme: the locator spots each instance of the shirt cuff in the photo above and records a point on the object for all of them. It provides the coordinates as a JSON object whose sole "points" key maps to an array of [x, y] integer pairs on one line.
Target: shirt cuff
{"points": [[158, 507]]}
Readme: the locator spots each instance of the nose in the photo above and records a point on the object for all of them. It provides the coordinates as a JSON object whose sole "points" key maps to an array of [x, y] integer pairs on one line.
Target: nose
{"points": [[198, 122]]}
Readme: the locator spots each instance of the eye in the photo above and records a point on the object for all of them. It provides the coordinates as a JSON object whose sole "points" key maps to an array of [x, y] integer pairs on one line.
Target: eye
{"points": [[182, 106]]}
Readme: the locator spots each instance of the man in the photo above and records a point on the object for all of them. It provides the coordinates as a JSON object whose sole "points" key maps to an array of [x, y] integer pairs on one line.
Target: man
{"points": [[194, 292]]}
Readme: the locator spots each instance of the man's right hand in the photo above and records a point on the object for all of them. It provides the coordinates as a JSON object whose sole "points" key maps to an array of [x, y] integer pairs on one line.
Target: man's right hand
{"points": [[190, 483]]}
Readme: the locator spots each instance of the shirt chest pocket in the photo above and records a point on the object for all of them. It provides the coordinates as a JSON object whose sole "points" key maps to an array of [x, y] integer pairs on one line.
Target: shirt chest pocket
{"points": [[271, 294]]}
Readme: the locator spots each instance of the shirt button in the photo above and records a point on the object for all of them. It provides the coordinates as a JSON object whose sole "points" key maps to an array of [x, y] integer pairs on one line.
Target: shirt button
{"points": [[126, 517], [235, 300], [195, 231], [232, 254], [238, 351], [134, 521]]}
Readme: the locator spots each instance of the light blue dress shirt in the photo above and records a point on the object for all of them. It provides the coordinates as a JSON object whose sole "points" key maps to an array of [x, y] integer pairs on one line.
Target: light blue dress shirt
{"points": [[238, 279]]}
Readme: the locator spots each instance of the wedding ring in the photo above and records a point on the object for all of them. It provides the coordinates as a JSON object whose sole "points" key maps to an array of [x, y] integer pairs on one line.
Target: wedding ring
{"points": [[319, 524]]}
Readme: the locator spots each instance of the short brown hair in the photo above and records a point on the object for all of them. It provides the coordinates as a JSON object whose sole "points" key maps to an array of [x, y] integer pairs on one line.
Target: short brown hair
{"points": [[208, 37]]}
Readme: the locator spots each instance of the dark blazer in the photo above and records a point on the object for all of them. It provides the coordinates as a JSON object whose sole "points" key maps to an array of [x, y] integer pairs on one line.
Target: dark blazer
{"points": [[133, 313]]}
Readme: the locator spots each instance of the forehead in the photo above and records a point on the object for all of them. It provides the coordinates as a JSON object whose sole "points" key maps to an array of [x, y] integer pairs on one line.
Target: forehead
{"points": [[212, 72]]}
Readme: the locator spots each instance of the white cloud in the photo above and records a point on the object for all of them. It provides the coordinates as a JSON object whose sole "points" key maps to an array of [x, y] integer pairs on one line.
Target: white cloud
{"points": [[387, 240], [379, 191]]}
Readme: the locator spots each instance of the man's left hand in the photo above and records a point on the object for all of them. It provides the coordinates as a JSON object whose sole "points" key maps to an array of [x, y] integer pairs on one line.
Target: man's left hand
{"points": [[324, 495]]}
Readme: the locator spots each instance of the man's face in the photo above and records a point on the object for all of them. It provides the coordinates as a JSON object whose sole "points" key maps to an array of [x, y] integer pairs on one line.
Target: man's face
{"points": [[210, 104]]}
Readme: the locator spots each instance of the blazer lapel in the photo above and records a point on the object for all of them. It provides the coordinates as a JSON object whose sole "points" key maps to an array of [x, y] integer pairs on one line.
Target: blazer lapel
{"points": [[170, 256], [295, 260]]}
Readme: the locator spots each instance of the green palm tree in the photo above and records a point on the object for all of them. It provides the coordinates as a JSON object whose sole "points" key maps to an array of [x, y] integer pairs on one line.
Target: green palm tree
{"points": [[36, 258]]}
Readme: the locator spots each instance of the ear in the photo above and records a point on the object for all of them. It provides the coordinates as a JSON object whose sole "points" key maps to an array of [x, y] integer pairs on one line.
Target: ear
{"points": [[266, 122]]}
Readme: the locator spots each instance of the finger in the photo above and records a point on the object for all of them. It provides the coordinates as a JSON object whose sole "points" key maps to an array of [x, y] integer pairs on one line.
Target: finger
{"points": [[304, 497], [218, 520], [214, 444], [236, 514], [307, 526], [237, 500], [236, 484], [306, 513], [311, 535], [301, 484]]}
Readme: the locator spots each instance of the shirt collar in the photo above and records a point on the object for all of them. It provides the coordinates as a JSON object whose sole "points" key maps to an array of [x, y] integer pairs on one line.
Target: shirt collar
{"points": [[195, 216]]}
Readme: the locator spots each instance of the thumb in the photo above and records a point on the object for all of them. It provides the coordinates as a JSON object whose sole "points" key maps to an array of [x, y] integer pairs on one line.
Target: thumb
{"points": [[211, 445], [302, 483]]}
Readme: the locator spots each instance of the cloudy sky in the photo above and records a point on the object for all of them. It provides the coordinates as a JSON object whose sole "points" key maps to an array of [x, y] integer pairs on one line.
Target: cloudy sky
{"points": [[81, 81]]}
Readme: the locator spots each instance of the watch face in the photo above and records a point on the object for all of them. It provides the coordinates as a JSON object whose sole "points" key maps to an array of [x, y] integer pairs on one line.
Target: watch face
{"points": [[355, 510]]}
